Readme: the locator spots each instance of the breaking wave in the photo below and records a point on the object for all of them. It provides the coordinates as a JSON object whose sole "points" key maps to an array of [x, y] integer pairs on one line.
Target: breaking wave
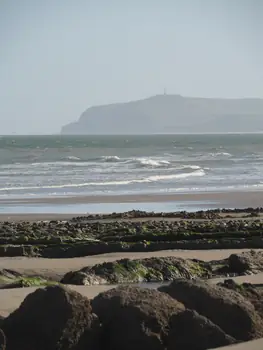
{"points": [[153, 178]]}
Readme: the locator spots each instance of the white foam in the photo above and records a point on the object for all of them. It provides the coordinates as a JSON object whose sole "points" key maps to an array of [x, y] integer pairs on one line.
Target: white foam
{"points": [[194, 167], [148, 162], [154, 178], [218, 154], [71, 158], [176, 176], [110, 158]]}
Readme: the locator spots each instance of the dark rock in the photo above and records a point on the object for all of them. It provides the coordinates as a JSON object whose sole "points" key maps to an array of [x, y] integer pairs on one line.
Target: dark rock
{"points": [[18, 250], [191, 331], [226, 308], [53, 318], [245, 262], [2, 339], [249, 291], [9, 274], [135, 318]]}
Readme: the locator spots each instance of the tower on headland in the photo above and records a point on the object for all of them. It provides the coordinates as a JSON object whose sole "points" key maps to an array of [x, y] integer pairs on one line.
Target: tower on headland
{"points": [[164, 91]]}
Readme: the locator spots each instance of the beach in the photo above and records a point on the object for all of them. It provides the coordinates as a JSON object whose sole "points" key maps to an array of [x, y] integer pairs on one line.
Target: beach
{"points": [[94, 213], [12, 298], [38, 272], [66, 206]]}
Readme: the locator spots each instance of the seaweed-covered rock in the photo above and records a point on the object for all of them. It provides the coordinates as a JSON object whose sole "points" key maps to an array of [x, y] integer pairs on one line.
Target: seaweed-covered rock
{"points": [[138, 270], [53, 318], [135, 318], [226, 308], [246, 262], [251, 292], [191, 331]]}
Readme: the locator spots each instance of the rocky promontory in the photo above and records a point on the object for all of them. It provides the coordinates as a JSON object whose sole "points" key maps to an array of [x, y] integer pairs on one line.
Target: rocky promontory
{"points": [[170, 114]]}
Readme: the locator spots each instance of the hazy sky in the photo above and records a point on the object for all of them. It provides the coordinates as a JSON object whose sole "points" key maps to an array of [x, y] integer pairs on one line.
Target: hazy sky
{"points": [[59, 57]]}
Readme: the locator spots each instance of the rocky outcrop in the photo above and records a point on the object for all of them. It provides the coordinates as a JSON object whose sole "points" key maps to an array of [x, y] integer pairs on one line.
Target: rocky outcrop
{"points": [[135, 318], [130, 231], [52, 318], [226, 308], [246, 262], [249, 291], [138, 270], [191, 331]]}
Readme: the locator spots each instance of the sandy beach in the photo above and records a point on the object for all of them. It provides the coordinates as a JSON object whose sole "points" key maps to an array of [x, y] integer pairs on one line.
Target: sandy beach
{"points": [[56, 268], [223, 199]]}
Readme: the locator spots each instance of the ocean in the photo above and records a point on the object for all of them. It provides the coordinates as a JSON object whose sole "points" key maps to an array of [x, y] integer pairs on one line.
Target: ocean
{"points": [[50, 166]]}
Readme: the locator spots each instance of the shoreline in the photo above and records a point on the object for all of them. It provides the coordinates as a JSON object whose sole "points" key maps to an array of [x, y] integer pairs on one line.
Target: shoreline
{"points": [[231, 197], [66, 207]]}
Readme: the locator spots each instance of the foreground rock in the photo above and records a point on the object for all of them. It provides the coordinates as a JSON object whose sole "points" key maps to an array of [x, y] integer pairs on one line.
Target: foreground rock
{"points": [[52, 318], [139, 270], [2, 340], [135, 318], [191, 331], [251, 292], [226, 308], [246, 262]]}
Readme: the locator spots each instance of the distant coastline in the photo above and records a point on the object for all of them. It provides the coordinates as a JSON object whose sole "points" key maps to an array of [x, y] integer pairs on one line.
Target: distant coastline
{"points": [[171, 114]]}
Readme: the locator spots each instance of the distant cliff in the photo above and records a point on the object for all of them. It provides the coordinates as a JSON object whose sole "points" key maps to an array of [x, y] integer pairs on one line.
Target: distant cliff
{"points": [[171, 114]]}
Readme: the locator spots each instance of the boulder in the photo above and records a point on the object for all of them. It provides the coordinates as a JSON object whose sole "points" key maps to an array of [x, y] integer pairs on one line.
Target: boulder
{"points": [[135, 318], [54, 318], [226, 308], [246, 262], [191, 331], [249, 291]]}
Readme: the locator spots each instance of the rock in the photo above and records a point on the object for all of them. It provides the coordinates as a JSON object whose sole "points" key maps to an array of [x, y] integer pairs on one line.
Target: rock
{"points": [[9, 274], [54, 318], [246, 262], [135, 318], [2, 339], [18, 250], [137, 270], [82, 278], [226, 308], [201, 333], [249, 291]]}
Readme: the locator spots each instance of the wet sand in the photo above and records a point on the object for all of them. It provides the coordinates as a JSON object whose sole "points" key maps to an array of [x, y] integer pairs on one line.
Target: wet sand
{"points": [[225, 199]]}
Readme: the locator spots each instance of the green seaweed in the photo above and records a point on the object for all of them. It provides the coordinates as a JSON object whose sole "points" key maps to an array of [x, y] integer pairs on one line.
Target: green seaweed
{"points": [[34, 282]]}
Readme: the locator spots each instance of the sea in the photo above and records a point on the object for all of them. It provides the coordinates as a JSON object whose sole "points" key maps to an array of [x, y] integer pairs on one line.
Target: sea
{"points": [[58, 165]]}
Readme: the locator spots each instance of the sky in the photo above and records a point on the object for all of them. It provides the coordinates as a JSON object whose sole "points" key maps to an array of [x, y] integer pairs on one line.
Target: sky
{"points": [[59, 57]]}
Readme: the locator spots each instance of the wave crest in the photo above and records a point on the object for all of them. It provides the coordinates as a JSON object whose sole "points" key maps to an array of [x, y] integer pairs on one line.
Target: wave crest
{"points": [[152, 163], [153, 178], [110, 159]]}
